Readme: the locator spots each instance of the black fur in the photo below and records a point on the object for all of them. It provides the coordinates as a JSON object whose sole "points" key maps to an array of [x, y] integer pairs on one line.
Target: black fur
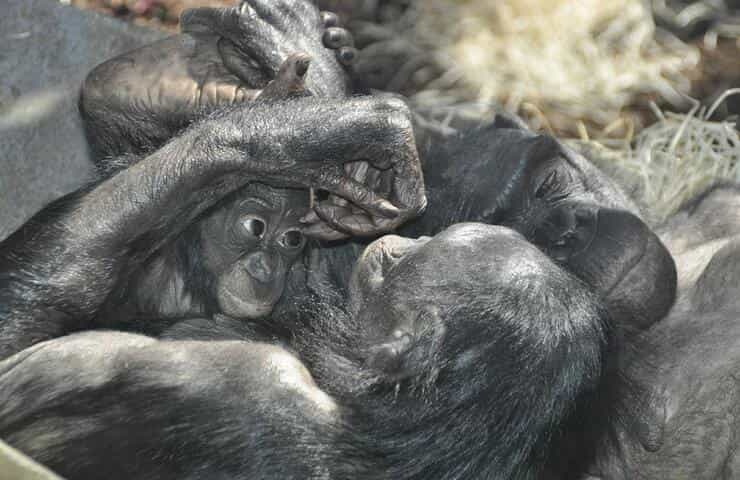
{"points": [[518, 358]]}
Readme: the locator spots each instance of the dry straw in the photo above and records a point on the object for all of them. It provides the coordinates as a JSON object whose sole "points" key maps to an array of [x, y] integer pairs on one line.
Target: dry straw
{"points": [[564, 64], [676, 158]]}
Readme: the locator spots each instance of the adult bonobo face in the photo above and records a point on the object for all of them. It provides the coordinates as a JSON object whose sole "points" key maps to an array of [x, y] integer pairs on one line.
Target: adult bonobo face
{"points": [[477, 347], [424, 297], [250, 244]]}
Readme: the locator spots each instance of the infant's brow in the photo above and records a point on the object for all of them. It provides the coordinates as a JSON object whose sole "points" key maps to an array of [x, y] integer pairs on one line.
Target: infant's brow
{"points": [[260, 201]]}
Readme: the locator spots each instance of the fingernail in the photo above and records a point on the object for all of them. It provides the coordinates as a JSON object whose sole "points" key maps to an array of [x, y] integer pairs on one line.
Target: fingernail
{"points": [[387, 209]]}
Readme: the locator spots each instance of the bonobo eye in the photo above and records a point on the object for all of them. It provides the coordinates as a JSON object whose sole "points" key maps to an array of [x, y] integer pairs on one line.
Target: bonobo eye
{"points": [[254, 226], [551, 187], [292, 239]]}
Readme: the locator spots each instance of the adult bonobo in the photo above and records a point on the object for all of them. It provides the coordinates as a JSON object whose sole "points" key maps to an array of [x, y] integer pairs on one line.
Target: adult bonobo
{"points": [[110, 253], [502, 173], [66, 268], [450, 355], [497, 173], [551, 195], [483, 372]]}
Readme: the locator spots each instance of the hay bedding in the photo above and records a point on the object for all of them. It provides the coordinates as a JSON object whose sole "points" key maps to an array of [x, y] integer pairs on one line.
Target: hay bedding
{"points": [[673, 160], [566, 66]]}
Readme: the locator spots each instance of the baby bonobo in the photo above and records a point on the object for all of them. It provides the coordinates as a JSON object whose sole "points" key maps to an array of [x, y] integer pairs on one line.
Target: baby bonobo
{"points": [[233, 261]]}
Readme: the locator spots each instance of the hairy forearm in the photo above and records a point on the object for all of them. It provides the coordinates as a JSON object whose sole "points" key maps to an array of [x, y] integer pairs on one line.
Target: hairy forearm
{"points": [[58, 270]]}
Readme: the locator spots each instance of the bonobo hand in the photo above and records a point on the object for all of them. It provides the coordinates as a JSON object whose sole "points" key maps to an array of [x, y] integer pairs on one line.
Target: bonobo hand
{"points": [[256, 37], [306, 142], [137, 101]]}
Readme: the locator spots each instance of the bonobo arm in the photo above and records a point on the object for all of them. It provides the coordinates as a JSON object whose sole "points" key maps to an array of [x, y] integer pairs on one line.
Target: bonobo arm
{"points": [[58, 270], [559, 201], [120, 406], [135, 102]]}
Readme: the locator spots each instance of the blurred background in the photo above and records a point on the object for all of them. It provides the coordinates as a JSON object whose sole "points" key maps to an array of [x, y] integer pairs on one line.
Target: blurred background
{"points": [[644, 87]]}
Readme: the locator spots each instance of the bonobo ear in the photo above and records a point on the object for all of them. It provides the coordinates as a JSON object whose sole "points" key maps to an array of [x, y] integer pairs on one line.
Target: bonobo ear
{"points": [[412, 349]]}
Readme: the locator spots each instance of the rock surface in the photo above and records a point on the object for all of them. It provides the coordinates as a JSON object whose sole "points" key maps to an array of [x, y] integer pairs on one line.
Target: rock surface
{"points": [[48, 48]]}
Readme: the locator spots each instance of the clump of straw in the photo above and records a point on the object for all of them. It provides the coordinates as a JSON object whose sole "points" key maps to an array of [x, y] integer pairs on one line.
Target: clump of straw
{"points": [[674, 159], [559, 62]]}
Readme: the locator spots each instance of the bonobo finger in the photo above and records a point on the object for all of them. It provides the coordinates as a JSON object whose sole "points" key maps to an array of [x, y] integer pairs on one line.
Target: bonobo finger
{"points": [[242, 66], [218, 21], [363, 197], [408, 184], [347, 56], [344, 220], [225, 92], [329, 19], [357, 171], [409, 195], [322, 231], [241, 25], [290, 80], [337, 200], [358, 224], [335, 37]]}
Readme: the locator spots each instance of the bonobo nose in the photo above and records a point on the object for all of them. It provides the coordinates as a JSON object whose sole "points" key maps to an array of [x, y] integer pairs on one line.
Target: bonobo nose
{"points": [[260, 266]]}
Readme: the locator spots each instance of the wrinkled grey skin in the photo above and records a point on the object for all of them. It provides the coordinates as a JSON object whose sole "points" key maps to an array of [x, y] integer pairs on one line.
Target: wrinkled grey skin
{"points": [[689, 361]]}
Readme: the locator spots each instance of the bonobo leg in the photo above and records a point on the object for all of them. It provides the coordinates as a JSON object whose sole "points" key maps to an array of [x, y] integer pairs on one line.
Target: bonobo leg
{"points": [[165, 410], [61, 269]]}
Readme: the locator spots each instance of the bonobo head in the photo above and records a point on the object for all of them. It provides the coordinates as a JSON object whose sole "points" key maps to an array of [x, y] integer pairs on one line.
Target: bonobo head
{"points": [[468, 277], [249, 244], [474, 349], [562, 204]]}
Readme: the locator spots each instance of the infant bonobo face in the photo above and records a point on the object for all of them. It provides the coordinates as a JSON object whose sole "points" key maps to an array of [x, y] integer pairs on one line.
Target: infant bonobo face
{"points": [[250, 244], [407, 291]]}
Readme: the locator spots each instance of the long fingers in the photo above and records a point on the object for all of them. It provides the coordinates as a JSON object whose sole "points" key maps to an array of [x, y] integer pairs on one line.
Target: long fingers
{"points": [[338, 39], [243, 26]]}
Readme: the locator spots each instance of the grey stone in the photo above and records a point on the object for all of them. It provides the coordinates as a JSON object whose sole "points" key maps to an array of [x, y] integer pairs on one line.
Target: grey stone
{"points": [[47, 49]]}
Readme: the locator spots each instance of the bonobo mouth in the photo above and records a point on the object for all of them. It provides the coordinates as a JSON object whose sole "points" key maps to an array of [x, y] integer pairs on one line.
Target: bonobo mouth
{"points": [[235, 306], [630, 267], [385, 252], [627, 237]]}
